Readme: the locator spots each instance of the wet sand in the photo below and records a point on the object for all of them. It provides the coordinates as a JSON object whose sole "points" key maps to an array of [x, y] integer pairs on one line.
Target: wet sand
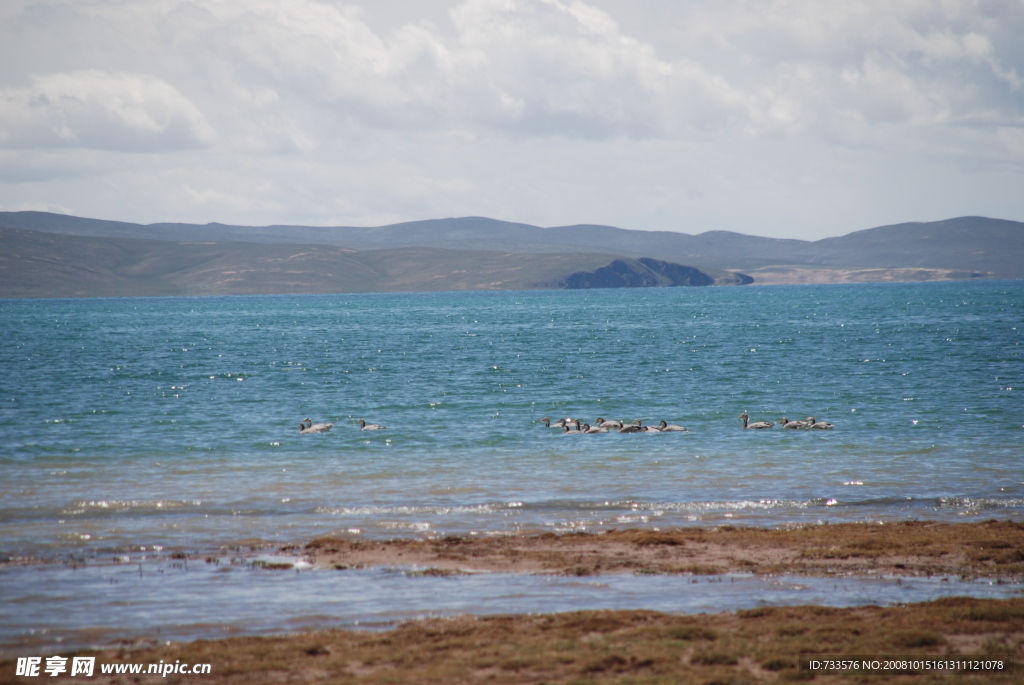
{"points": [[992, 549]]}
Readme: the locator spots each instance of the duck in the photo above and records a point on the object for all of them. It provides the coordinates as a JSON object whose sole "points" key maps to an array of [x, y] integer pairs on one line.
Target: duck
{"points": [[650, 429], [363, 426], [587, 428], [757, 425], [820, 425], [665, 427], [307, 426], [792, 425], [567, 429], [634, 427], [608, 424]]}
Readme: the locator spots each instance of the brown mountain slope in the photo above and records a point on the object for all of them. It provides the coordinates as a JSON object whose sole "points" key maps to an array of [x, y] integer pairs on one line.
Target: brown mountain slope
{"points": [[969, 243], [36, 264], [990, 247]]}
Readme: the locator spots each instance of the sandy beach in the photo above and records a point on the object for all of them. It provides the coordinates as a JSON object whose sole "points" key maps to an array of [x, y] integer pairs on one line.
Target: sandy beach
{"points": [[757, 645]]}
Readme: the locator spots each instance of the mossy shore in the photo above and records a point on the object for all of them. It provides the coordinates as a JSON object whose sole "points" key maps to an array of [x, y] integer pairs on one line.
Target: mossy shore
{"points": [[755, 646], [990, 549]]}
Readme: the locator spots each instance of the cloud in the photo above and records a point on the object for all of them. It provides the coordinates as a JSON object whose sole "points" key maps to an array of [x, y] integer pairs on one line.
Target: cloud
{"points": [[542, 68], [95, 109], [526, 68], [514, 67], [284, 109], [847, 67]]}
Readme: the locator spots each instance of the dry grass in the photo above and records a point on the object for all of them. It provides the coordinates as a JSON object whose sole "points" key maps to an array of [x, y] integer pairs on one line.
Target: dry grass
{"points": [[760, 645]]}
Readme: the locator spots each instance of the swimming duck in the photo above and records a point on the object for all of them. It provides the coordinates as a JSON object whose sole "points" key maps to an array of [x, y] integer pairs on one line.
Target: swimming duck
{"points": [[792, 425], [608, 424], [634, 427], [820, 425], [665, 427], [757, 425], [307, 426], [363, 426], [587, 428]]}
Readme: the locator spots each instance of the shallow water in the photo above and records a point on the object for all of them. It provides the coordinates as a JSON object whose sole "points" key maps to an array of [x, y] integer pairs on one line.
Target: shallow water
{"points": [[134, 423], [59, 608]]}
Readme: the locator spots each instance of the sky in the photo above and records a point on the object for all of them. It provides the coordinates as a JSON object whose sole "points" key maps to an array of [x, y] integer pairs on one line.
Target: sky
{"points": [[782, 118]]}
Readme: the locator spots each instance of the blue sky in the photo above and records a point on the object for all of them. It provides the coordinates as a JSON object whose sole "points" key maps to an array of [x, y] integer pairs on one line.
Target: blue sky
{"points": [[797, 119]]}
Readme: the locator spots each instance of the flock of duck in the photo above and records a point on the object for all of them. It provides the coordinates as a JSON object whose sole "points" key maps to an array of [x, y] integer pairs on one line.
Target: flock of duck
{"points": [[571, 425], [807, 424], [306, 426]]}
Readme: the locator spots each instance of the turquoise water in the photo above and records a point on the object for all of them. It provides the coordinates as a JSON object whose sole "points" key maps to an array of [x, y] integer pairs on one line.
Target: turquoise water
{"points": [[128, 423], [132, 429]]}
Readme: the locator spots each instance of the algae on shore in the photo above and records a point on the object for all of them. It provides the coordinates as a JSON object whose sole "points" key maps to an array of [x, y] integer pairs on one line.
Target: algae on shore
{"points": [[988, 549], [759, 645]]}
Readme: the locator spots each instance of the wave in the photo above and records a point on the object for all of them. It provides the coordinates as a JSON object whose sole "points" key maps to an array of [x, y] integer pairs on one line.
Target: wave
{"points": [[569, 507], [403, 510]]}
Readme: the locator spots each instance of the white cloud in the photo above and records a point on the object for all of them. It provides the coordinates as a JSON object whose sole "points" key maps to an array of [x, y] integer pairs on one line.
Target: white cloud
{"points": [[289, 109], [95, 109], [540, 68]]}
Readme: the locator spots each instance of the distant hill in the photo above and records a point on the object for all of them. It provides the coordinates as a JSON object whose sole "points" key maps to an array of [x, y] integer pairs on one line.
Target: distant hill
{"points": [[991, 248], [36, 264], [467, 233], [39, 264], [970, 243], [638, 273]]}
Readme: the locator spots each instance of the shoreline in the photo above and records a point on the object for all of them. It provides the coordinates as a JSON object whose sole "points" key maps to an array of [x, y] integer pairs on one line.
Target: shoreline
{"points": [[763, 644], [989, 549]]}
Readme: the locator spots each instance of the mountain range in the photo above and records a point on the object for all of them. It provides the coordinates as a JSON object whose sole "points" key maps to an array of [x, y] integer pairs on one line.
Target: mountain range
{"points": [[47, 254]]}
